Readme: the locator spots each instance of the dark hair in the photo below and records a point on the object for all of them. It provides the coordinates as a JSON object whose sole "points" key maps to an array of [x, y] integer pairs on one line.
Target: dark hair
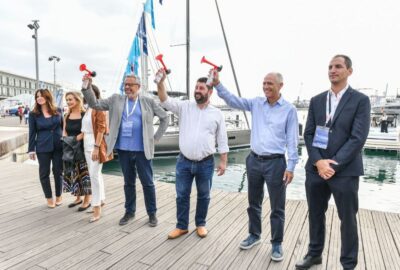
{"points": [[204, 80], [96, 91], [51, 106], [347, 60]]}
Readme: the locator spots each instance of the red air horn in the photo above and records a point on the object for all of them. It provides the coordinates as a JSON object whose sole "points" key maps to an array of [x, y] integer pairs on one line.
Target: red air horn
{"points": [[211, 74], [204, 60], [82, 67], [160, 58]]}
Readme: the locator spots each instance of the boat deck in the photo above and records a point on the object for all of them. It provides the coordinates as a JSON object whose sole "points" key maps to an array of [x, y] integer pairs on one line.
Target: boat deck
{"points": [[35, 237]]}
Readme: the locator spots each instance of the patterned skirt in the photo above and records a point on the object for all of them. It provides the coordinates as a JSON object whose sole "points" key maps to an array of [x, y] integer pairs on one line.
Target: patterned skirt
{"points": [[77, 181]]}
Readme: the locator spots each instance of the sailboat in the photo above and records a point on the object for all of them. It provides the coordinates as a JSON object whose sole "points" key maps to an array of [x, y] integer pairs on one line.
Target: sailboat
{"points": [[237, 124]]}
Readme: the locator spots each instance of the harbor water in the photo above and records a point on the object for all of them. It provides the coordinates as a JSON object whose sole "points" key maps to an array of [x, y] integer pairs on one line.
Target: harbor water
{"points": [[379, 188]]}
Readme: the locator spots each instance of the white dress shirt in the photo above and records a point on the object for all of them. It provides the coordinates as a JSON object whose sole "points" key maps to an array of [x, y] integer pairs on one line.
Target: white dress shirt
{"points": [[200, 130], [335, 99]]}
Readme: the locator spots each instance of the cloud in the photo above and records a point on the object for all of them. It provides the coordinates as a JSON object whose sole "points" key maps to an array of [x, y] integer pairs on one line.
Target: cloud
{"points": [[295, 37]]}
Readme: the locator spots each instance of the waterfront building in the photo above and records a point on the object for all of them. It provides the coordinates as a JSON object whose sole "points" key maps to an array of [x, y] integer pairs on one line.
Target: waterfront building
{"points": [[12, 84]]}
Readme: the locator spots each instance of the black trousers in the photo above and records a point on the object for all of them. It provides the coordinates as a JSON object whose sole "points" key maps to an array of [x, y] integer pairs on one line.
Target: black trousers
{"points": [[345, 192], [45, 159]]}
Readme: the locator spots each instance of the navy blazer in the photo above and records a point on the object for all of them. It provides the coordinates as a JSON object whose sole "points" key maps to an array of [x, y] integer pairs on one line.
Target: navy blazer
{"points": [[45, 133], [348, 132]]}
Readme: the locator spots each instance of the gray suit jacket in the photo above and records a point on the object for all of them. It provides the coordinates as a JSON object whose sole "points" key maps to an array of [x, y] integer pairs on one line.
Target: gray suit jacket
{"points": [[116, 104]]}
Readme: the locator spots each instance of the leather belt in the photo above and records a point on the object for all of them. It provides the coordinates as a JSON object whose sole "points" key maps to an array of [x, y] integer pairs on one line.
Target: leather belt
{"points": [[267, 157], [204, 159]]}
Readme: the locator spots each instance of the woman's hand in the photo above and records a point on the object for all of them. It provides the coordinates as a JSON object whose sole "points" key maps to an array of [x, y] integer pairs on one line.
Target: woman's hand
{"points": [[95, 154], [79, 137]]}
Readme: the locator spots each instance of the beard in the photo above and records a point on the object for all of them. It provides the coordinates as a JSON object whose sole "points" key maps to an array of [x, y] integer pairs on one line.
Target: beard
{"points": [[200, 98]]}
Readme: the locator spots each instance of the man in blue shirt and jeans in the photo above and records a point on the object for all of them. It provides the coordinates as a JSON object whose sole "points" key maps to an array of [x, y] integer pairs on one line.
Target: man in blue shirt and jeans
{"points": [[274, 131]]}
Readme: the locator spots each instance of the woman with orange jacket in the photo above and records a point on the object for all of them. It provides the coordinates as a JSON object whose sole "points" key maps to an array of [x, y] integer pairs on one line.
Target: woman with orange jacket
{"points": [[94, 126]]}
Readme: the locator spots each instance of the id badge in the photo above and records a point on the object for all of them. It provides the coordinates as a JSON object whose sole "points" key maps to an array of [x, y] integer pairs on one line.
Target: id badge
{"points": [[127, 128], [321, 137]]}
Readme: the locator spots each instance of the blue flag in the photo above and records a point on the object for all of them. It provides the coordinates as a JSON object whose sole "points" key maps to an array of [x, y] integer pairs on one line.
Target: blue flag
{"points": [[142, 34], [133, 61], [148, 7], [133, 58]]}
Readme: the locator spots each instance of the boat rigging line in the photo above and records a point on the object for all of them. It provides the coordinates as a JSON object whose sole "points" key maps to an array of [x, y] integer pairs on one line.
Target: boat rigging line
{"points": [[230, 60]]}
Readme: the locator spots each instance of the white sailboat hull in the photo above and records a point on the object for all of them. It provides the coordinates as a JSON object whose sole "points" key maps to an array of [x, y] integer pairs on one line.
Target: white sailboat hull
{"points": [[169, 143]]}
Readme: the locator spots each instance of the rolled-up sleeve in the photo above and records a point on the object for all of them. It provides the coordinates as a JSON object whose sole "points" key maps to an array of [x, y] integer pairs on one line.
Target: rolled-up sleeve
{"points": [[172, 105], [222, 136]]}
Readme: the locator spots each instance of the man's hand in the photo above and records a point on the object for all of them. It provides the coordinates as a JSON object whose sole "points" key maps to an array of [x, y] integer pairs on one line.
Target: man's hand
{"points": [[221, 168], [324, 168], [86, 81], [216, 77], [164, 75], [287, 177], [32, 156]]}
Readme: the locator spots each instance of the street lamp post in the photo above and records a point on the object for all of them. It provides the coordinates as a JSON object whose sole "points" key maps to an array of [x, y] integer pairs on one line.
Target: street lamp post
{"points": [[35, 26], [54, 59]]}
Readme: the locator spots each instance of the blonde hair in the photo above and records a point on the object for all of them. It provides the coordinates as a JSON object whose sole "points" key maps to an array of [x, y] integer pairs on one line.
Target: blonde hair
{"points": [[77, 96]]}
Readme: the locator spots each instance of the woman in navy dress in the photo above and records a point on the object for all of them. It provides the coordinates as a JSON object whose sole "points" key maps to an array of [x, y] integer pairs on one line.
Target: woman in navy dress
{"points": [[45, 131]]}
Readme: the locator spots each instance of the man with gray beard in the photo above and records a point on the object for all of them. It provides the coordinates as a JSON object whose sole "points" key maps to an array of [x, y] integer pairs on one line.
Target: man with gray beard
{"points": [[201, 127]]}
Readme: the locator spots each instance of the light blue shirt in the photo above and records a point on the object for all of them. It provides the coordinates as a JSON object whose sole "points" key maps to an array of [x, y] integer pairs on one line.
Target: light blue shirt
{"points": [[134, 142], [274, 128]]}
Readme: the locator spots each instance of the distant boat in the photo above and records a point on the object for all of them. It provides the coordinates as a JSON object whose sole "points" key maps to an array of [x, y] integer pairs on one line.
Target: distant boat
{"points": [[301, 104], [392, 107]]}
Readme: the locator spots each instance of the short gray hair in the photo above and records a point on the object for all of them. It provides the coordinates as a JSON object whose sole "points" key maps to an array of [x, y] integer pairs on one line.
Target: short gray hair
{"points": [[137, 78], [278, 76]]}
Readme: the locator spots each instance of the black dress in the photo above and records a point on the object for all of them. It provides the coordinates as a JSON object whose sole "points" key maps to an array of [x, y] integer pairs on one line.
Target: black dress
{"points": [[78, 181]]}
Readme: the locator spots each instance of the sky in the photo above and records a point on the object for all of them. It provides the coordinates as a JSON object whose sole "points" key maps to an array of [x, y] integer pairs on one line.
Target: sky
{"points": [[296, 38]]}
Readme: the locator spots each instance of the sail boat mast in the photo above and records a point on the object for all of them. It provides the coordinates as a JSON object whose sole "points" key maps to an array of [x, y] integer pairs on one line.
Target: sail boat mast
{"points": [[230, 60], [187, 48]]}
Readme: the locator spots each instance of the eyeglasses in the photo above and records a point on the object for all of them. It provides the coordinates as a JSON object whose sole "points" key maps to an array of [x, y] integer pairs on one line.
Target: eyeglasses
{"points": [[131, 84]]}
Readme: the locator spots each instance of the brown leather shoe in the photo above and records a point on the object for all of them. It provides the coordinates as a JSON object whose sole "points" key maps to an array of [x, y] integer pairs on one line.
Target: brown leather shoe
{"points": [[201, 231], [175, 233]]}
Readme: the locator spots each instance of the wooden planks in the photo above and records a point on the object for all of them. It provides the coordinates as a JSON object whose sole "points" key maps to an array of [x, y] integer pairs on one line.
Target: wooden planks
{"points": [[35, 237]]}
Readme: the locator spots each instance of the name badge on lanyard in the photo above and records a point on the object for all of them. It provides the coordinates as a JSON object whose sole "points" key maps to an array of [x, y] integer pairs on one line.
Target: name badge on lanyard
{"points": [[321, 135], [127, 125]]}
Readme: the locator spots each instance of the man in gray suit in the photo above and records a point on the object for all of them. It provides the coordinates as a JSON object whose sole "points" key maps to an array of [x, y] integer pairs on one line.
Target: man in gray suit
{"points": [[132, 135]]}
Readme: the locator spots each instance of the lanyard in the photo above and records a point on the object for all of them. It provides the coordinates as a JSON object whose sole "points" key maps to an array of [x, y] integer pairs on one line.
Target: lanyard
{"points": [[330, 111], [127, 107]]}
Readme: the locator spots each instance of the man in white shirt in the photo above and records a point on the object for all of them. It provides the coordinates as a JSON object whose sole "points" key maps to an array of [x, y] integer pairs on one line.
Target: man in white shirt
{"points": [[201, 127]]}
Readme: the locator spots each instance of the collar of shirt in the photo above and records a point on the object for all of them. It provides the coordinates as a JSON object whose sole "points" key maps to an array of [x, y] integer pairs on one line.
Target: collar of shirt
{"points": [[340, 93], [280, 101]]}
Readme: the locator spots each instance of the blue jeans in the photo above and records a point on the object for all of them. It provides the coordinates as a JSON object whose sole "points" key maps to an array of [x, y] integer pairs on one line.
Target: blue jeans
{"points": [[271, 172], [203, 172], [130, 161]]}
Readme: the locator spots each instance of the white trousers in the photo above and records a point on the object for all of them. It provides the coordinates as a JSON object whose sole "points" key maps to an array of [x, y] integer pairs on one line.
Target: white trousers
{"points": [[96, 177]]}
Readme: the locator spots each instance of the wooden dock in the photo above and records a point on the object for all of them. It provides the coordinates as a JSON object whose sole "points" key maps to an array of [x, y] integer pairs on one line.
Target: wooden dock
{"points": [[35, 237]]}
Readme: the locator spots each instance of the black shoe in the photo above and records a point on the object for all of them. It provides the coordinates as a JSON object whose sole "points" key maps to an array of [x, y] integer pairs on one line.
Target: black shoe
{"points": [[153, 220], [308, 261], [80, 209], [125, 219], [74, 204]]}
